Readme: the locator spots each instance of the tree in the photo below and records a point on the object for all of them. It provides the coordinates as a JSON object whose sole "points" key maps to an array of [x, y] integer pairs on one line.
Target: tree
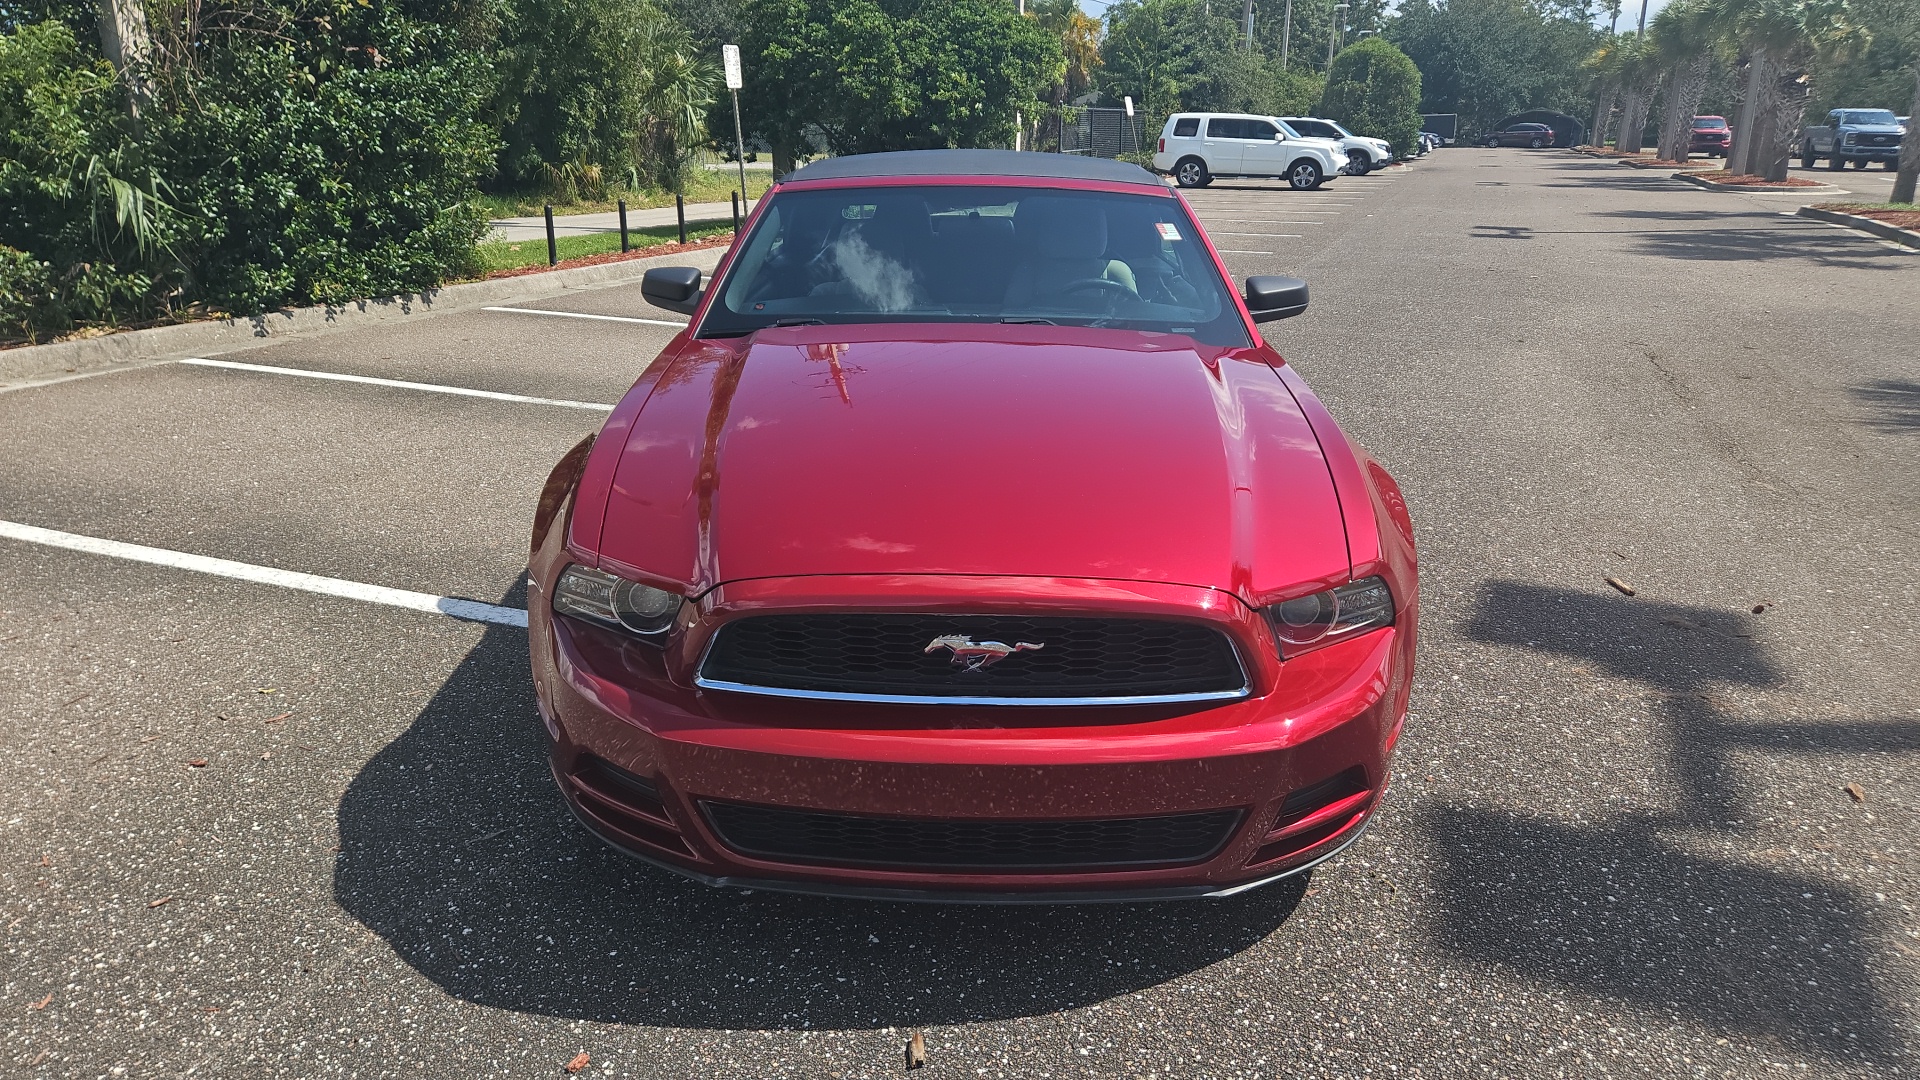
{"points": [[1638, 71], [1684, 42], [1604, 67], [1489, 59], [870, 75], [1895, 26], [676, 89], [1177, 55], [1783, 40], [1374, 89]]}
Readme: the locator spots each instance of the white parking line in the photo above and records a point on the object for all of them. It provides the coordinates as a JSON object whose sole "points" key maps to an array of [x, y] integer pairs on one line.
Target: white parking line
{"points": [[1274, 235], [1268, 221], [584, 315], [1237, 251], [432, 388], [452, 607]]}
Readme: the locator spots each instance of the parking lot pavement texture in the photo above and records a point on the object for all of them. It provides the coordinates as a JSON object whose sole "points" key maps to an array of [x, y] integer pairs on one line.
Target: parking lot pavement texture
{"points": [[1619, 841]]}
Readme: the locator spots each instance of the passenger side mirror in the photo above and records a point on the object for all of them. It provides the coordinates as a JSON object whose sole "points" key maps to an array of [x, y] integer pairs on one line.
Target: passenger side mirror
{"points": [[676, 288], [1270, 298]]}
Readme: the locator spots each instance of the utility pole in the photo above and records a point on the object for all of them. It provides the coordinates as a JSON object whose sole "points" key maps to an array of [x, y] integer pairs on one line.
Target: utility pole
{"points": [[1333, 34], [1286, 34], [1247, 20]]}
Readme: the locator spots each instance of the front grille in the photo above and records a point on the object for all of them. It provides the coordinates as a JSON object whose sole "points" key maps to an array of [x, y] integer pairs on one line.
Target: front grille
{"points": [[886, 656], [801, 836]]}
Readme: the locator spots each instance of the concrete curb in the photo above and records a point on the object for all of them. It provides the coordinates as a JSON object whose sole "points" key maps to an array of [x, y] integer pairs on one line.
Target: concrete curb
{"points": [[34, 362], [1633, 163], [1755, 189], [1881, 229]]}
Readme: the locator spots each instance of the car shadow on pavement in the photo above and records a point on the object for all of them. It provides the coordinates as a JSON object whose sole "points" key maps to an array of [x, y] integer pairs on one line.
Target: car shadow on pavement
{"points": [[1895, 404], [1639, 907], [458, 852]]}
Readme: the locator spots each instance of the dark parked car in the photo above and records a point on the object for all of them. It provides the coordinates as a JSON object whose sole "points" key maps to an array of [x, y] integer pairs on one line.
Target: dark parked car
{"points": [[1711, 136], [1533, 135]]}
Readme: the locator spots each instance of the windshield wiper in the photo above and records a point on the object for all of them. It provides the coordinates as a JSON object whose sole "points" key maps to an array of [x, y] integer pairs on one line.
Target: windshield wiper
{"points": [[799, 322], [1024, 321]]}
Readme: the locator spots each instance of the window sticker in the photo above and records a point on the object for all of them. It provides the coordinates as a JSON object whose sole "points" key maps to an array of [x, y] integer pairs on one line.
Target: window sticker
{"points": [[1168, 231]]}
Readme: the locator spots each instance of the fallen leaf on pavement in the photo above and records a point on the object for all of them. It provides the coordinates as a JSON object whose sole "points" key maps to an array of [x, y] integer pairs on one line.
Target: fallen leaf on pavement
{"points": [[1620, 585], [266, 689], [1758, 608], [277, 719], [36, 1006], [1859, 793], [162, 900], [580, 1061], [197, 763], [917, 1051], [45, 861]]}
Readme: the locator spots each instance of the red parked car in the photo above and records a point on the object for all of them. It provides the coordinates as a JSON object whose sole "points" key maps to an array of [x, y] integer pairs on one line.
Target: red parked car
{"points": [[1710, 136], [970, 544]]}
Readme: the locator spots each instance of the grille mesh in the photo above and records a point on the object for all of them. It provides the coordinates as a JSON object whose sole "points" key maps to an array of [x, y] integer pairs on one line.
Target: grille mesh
{"points": [[808, 837], [886, 654]]}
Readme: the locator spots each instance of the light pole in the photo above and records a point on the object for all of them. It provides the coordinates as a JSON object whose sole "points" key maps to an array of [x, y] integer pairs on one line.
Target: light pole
{"points": [[1286, 34], [1333, 33], [1247, 20]]}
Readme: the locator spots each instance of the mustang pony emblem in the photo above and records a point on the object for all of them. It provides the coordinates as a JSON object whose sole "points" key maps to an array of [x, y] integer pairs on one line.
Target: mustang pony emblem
{"points": [[972, 655]]}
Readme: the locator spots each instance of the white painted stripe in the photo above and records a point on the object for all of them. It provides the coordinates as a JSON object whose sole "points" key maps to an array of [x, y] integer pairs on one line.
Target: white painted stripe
{"points": [[584, 315], [452, 607], [1265, 221], [432, 388], [1237, 251], [1275, 235]]}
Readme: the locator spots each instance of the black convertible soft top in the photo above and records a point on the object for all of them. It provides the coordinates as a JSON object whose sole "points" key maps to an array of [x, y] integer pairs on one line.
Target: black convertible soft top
{"points": [[976, 163]]}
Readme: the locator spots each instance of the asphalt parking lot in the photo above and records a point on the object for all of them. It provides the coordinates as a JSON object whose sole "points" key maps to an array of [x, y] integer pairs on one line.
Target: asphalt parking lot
{"points": [[247, 830]]}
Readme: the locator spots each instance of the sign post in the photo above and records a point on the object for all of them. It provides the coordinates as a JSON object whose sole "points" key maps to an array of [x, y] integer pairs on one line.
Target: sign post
{"points": [[1127, 100], [730, 59]]}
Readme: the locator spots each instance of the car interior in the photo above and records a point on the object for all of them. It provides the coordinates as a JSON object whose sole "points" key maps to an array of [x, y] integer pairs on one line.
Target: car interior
{"points": [[983, 253]]}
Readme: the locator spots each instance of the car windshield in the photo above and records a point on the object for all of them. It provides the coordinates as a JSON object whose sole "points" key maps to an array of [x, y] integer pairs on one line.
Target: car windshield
{"points": [[983, 254], [1708, 123], [1868, 116], [1290, 131]]}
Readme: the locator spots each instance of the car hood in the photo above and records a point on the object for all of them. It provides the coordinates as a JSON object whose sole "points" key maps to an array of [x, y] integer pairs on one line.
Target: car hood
{"points": [[1045, 451], [1873, 129]]}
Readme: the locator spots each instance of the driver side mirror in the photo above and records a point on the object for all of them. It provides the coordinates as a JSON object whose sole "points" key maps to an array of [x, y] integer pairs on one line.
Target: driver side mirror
{"points": [[1270, 298], [676, 288]]}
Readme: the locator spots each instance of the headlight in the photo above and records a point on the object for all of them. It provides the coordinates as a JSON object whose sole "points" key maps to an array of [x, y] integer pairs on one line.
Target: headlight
{"points": [[1849, 139], [1327, 616], [614, 602]]}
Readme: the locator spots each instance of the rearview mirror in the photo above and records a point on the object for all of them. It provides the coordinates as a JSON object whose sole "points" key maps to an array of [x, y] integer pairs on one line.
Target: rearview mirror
{"points": [[676, 288], [1270, 298]]}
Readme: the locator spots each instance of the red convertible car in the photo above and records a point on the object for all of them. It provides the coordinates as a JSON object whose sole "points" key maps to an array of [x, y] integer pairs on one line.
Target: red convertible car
{"points": [[970, 544]]}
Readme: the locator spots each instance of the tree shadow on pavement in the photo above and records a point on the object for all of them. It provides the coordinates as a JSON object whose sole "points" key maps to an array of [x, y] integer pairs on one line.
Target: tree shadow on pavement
{"points": [[1617, 909], [457, 850], [1895, 402], [1778, 240]]}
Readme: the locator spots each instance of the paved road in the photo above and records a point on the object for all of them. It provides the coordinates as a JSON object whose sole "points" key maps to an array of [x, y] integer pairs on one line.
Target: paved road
{"points": [[1618, 842], [535, 228]]}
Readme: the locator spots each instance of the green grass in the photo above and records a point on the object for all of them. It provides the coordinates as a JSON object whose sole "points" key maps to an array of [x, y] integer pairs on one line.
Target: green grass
{"points": [[705, 185], [508, 254], [1907, 206]]}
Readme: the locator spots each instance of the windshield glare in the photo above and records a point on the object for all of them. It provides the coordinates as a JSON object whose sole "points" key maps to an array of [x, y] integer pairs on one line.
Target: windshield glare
{"points": [[1701, 124], [1868, 116], [976, 254]]}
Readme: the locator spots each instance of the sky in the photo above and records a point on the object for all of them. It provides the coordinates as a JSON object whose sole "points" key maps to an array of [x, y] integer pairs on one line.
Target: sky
{"points": [[1629, 11]]}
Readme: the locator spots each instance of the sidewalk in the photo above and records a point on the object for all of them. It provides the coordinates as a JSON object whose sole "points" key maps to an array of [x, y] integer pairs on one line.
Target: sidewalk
{"points": [[535, 228]]}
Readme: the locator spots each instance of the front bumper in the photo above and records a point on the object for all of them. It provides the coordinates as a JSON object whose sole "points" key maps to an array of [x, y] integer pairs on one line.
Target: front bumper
{"points": [[1334, 712], [1870, 153]]}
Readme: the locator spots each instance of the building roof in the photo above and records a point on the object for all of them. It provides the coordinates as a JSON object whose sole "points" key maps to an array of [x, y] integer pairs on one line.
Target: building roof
{"points": [[976, 163]]}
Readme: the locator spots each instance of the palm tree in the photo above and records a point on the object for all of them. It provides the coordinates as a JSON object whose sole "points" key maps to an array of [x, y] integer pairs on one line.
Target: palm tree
{"points": [[1637, 71], [1603, 68], [676, 88], [1782, 39], [1683, 37]]}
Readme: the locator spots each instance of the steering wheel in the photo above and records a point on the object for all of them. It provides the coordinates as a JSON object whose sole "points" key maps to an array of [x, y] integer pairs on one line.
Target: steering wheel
{"points": [[1112, 290]]}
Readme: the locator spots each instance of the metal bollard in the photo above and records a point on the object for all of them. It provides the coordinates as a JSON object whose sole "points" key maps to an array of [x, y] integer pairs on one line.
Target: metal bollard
{"points": [[680, 211], [624, 246], [734, 198], [553, 251]]}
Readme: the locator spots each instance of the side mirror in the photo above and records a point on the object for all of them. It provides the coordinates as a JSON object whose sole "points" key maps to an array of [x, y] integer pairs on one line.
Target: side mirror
{"points": [[1270, 298], [676, 288]]}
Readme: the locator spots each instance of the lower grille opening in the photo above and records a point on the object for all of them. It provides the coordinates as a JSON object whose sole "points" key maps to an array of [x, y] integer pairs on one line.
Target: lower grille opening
{"points": [[627, 803], [1315, 814], [802, 836]]}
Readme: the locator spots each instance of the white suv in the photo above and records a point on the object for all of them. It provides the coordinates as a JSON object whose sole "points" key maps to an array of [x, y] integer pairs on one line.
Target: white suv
{"points": [[1363, 154], [1196, 147]]}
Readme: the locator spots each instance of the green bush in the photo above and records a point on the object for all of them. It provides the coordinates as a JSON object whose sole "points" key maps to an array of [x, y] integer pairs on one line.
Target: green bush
{"points": [[1374, 89]]}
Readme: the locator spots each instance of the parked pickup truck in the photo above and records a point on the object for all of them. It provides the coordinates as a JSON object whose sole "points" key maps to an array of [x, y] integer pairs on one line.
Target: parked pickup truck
{"points": [[1856, 135]]}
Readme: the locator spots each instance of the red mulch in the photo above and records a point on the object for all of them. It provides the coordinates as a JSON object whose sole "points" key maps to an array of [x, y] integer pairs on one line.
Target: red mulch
{"points": [[615, 256], [1754, 180], [1902, 219]]}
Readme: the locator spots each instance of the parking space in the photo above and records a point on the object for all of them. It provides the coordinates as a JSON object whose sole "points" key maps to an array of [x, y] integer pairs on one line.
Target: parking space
{"points": [[251, 830]]}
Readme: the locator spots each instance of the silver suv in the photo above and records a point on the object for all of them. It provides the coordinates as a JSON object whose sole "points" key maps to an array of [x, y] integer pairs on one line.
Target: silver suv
{"points": [[1197, 147]]}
